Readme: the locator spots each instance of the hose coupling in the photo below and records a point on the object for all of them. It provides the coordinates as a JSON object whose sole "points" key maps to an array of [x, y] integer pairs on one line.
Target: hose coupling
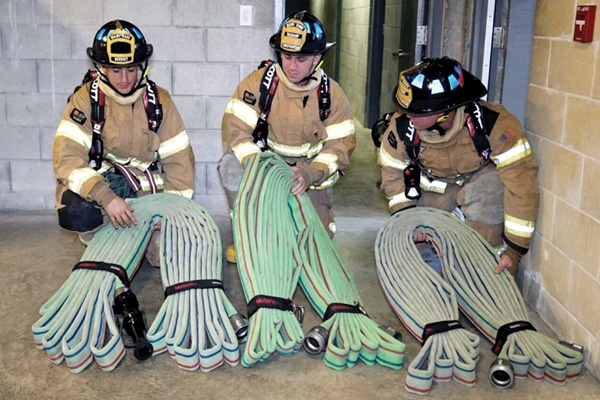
{"points": [[126, 307], [502, 374], [315, 341], [239, 323], [572, 346], [397, 335]]}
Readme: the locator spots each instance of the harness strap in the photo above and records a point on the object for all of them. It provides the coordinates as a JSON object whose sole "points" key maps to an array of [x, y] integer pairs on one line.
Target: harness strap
{"points": [[197, 284], [475, 124], [118, 270], [439, 327], [324, 97], [263, 301], [508, 329], [334, 308], [154, 113]]}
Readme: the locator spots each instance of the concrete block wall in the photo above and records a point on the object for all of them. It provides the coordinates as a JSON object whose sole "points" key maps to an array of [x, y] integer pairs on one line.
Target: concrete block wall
{"points": [[562, 276], [200, 55]]}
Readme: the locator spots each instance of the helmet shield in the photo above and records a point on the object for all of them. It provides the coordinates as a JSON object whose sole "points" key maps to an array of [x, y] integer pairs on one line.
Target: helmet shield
{"points": [[119, 43], [436, 85], [300, 33]]}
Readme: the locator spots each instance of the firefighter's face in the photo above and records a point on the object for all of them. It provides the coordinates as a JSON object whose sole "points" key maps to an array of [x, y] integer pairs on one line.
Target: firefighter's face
{"points": [[122, 78], [298, 67], [423, 122]]}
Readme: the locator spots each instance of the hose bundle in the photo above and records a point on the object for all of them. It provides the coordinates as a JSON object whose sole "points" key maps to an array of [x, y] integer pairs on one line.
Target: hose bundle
{"points": [[268, 260], [422, 300], [280, 239], [493, 303], [78, 324], [193, 323]]}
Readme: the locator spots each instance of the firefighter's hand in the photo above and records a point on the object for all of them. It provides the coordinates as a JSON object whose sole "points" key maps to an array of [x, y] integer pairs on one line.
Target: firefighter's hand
{"points": [[120, 214], [301, 186], [505, 263], [419, 236]]}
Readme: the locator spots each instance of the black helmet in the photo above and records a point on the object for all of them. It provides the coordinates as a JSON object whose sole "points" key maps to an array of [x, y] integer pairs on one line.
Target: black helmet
{"points": [[119, 43], [300, 33], [436, 85]]}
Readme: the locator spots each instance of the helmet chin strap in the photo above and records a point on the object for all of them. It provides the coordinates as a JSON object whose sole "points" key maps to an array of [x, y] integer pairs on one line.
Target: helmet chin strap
{"points": [[437, 126], [143, 67]]}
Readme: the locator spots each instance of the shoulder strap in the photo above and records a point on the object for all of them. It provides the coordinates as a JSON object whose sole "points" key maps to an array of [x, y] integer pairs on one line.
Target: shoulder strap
{"points": [[409, 136], [324, 97], [152, 105], [379, 128], [268, 86], [479, 122], [97, 109]]}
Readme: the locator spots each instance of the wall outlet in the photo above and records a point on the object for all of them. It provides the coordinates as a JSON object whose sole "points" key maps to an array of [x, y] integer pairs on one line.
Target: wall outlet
{"points": [[245, 15]]}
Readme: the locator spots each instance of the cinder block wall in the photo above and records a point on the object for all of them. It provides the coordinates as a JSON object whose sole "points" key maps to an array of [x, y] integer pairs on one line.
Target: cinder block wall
{"points": [[562, 279], [200, 55]]}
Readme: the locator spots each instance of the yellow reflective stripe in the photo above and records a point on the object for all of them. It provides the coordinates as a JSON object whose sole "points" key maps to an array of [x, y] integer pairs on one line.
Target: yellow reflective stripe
{"points": [[305, 150], [518, 227], [397, 199], [245, 149], [158, 180], [185, 193], [432, 185], [520, 150], [78, 178], [388, 161], [129, 162], [327, 183], [118, 160], [338, 131], [72, 131], [104, 167], [243, 111], [330, 160], [141, 165], [174, 145]]}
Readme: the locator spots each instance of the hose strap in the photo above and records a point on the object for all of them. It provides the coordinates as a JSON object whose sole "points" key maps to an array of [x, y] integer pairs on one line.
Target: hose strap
{"points": [[197, 284], [439, 327], [509, 329], [261, 301], [102, 266], [334, 308]]}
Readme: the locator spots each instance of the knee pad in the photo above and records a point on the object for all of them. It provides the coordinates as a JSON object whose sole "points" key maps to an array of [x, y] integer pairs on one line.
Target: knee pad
{"points": [[78, 215]]}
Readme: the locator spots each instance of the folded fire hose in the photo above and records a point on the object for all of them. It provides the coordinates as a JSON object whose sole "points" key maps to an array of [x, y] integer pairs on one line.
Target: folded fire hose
{"points": [[79, 323], [427, 306], [493, 303], [280, 239]]}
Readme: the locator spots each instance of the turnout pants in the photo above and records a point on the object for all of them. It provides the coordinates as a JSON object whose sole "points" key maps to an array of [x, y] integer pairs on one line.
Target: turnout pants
{"points": [[480, 198]]}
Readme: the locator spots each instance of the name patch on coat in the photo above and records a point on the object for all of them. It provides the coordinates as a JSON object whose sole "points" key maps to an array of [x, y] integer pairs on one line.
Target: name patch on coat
{"points": [[249, 98], [78, 116]]}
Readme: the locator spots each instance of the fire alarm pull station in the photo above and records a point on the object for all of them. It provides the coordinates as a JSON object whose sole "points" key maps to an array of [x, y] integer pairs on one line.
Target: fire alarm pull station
{"points": [[584, 24]]}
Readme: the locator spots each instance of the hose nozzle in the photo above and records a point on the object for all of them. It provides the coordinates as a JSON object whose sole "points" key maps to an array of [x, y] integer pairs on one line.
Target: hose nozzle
{"points": [[502, 374], [315, 340], [572, 346], [126, 306], [240, 327]]}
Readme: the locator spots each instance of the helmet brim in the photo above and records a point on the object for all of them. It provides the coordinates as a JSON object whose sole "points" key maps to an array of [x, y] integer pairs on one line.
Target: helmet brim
{"points": [[473, 90]]}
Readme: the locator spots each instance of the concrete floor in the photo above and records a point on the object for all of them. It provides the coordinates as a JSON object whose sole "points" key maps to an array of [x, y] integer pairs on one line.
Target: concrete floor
{"points": [[37, 257]]}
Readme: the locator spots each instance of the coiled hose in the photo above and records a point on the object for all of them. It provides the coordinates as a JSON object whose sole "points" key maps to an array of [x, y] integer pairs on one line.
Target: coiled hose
{"points": [[279, 238], [193, 323], [268, 260], [78, 323], [420, 297], [493, 303]]}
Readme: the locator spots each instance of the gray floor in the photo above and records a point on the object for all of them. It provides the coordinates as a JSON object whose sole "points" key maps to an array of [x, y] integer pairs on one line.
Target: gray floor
{"points": [[37, 258]]}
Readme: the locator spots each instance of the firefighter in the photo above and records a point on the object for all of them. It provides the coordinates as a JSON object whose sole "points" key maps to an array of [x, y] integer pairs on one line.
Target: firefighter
{"points": [[120, 137], [447, 149], [292, 108]]}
